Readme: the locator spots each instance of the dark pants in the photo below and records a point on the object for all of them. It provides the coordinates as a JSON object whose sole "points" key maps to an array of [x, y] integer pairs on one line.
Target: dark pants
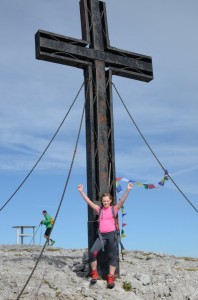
{"points": [[47, 232], [109, 240]]}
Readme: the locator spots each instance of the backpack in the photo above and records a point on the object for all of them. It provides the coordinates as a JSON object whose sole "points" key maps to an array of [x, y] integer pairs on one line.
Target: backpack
{"points": [[52, 220]]}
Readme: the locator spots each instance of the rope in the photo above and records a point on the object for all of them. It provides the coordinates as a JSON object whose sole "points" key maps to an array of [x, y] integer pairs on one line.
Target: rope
{"points": [[152, 150], [62, 197], [183, 194], [139, 129], [30, 172]]}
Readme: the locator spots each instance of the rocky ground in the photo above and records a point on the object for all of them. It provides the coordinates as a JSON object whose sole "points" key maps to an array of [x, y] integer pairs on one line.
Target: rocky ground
{"points": [[62, 274]]}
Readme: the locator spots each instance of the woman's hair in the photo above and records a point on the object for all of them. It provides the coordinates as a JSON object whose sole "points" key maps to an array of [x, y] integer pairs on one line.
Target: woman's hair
{"points": [[106, 195]]}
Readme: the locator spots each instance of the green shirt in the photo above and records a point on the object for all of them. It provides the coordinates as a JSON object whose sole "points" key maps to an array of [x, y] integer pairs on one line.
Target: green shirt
{"points": [[47, 221]]}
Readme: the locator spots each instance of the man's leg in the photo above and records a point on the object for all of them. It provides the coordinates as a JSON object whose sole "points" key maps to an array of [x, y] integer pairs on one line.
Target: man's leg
{"points": [[47, 235]]}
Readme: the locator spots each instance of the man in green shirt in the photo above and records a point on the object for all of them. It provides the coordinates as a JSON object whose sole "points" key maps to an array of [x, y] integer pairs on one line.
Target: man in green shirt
{"points": [[47, 222]]}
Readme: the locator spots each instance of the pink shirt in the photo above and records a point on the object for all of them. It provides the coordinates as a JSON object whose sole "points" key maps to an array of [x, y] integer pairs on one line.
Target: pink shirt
{"points": [[106, 219]]}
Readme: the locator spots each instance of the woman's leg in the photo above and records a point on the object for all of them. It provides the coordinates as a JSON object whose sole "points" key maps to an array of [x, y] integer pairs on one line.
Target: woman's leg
{"points": [[112, 269], [112, 260], [94, 265], [93, 261], [112, 253], [94, 252]]}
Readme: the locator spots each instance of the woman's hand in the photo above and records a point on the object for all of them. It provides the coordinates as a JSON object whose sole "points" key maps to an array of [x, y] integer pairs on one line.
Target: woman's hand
{"points": [[80, 187], [130, 186]]}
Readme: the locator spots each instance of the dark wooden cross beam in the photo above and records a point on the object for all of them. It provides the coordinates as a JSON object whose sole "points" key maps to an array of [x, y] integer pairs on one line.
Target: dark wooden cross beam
{"points": [[99, 61]]}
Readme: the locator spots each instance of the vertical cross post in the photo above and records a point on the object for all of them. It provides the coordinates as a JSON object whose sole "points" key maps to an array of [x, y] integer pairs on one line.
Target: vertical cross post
{"points": [[99, 61]]}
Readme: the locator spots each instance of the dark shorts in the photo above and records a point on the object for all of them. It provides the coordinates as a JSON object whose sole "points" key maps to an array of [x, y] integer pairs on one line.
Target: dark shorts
{"points": [[47, 231]]}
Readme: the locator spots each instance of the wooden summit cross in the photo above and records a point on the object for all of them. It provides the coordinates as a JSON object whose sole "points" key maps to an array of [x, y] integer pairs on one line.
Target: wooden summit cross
{"points": [[99, 61]]}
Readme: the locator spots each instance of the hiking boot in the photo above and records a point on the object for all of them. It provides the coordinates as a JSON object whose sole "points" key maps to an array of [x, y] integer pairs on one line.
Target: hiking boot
{"points": [[52, 243], [94, 276], [110, 281]]}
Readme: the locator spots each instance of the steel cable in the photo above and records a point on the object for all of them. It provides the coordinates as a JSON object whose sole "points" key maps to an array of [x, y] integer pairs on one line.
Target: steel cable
{"points": [[62, 197], [155, 156], [39, 159]]}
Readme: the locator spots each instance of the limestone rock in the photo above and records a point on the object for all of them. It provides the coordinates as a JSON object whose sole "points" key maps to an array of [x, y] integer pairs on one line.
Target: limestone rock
{"points": [[62, 274]]}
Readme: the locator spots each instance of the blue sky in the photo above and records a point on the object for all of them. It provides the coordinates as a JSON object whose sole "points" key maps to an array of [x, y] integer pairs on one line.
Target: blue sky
{"points": [[35, 96]]}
